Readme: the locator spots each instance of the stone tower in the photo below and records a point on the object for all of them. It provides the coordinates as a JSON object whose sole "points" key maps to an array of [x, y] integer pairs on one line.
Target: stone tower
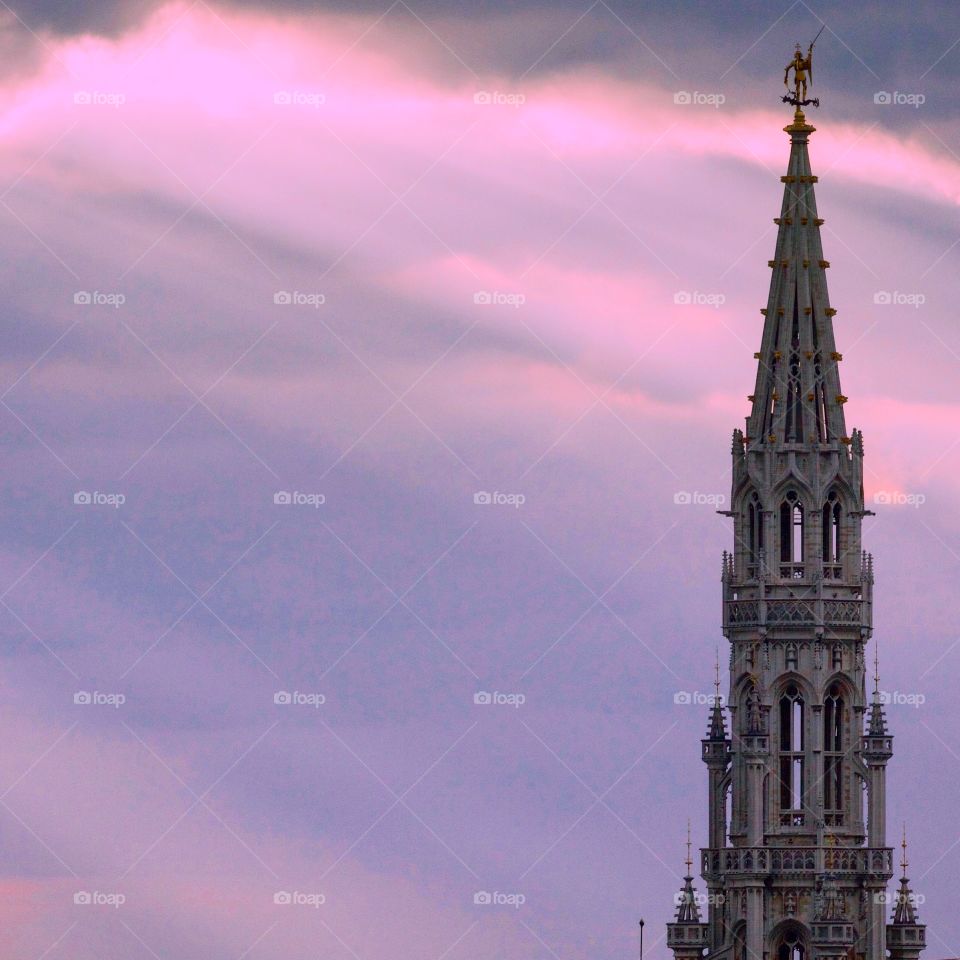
{"points": [[797, 863]]}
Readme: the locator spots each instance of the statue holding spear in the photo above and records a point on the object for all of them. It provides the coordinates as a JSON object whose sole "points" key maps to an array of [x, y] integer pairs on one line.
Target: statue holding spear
{"points": [[802, 67]]}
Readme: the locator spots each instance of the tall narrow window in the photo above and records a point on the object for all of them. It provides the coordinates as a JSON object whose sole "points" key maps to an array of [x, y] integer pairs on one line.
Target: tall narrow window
{"points": [[830, 532], [791, 756], [791, 537], [790, 659], [833, 722], [754, 533]]}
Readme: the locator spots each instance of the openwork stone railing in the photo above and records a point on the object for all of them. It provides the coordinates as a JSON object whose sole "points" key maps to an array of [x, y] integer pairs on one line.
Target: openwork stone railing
{"points": [[841, 860], [800, 612]]}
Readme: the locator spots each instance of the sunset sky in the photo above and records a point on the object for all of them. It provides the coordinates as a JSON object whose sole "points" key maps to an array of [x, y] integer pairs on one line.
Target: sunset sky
{"points": [[389, 259]]}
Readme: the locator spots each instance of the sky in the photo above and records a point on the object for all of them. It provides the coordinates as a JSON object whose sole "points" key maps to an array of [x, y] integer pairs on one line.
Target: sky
{"points": [[367, 378]]}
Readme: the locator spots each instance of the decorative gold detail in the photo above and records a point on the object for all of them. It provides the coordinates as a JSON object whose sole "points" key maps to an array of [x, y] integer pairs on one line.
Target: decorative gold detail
{"points": [[836, 356], [806, 263], [788, 178], [802, 67], [830, 312], [810, 396], [772, 438], [807, 311], [846, 440], [756, 356], [777, 355], [751, 397], [771, 263], [809, 354], [841, 399], [819, 221], [763, 310], [824, 264], [803, 221], [779, 311]]}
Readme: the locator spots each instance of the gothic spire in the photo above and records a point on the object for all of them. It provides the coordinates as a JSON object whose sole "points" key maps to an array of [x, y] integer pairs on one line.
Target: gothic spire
{"points": [[878, 721], [718, 727], [797, 397], [687, 909], [904, 913]]}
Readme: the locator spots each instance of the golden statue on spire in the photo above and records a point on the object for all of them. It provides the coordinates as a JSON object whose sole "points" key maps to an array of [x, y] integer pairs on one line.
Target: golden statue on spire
{"points": [[802, 67]]}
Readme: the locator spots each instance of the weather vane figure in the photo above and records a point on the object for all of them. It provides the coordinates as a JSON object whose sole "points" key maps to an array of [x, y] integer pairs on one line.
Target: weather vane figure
{"points": [[802, 67]]}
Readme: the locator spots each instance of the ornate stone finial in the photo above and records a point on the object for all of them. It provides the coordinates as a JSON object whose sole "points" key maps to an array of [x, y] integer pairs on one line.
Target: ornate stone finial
{"points": [[716, 675], [876, 670], [689, 860]]}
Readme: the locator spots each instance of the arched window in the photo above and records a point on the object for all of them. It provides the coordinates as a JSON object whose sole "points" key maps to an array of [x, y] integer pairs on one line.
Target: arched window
{"points": [[791, 537], [740, 942], [754, 533], [833, 722], [791, 756], [830, 531], [790, 946]]}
